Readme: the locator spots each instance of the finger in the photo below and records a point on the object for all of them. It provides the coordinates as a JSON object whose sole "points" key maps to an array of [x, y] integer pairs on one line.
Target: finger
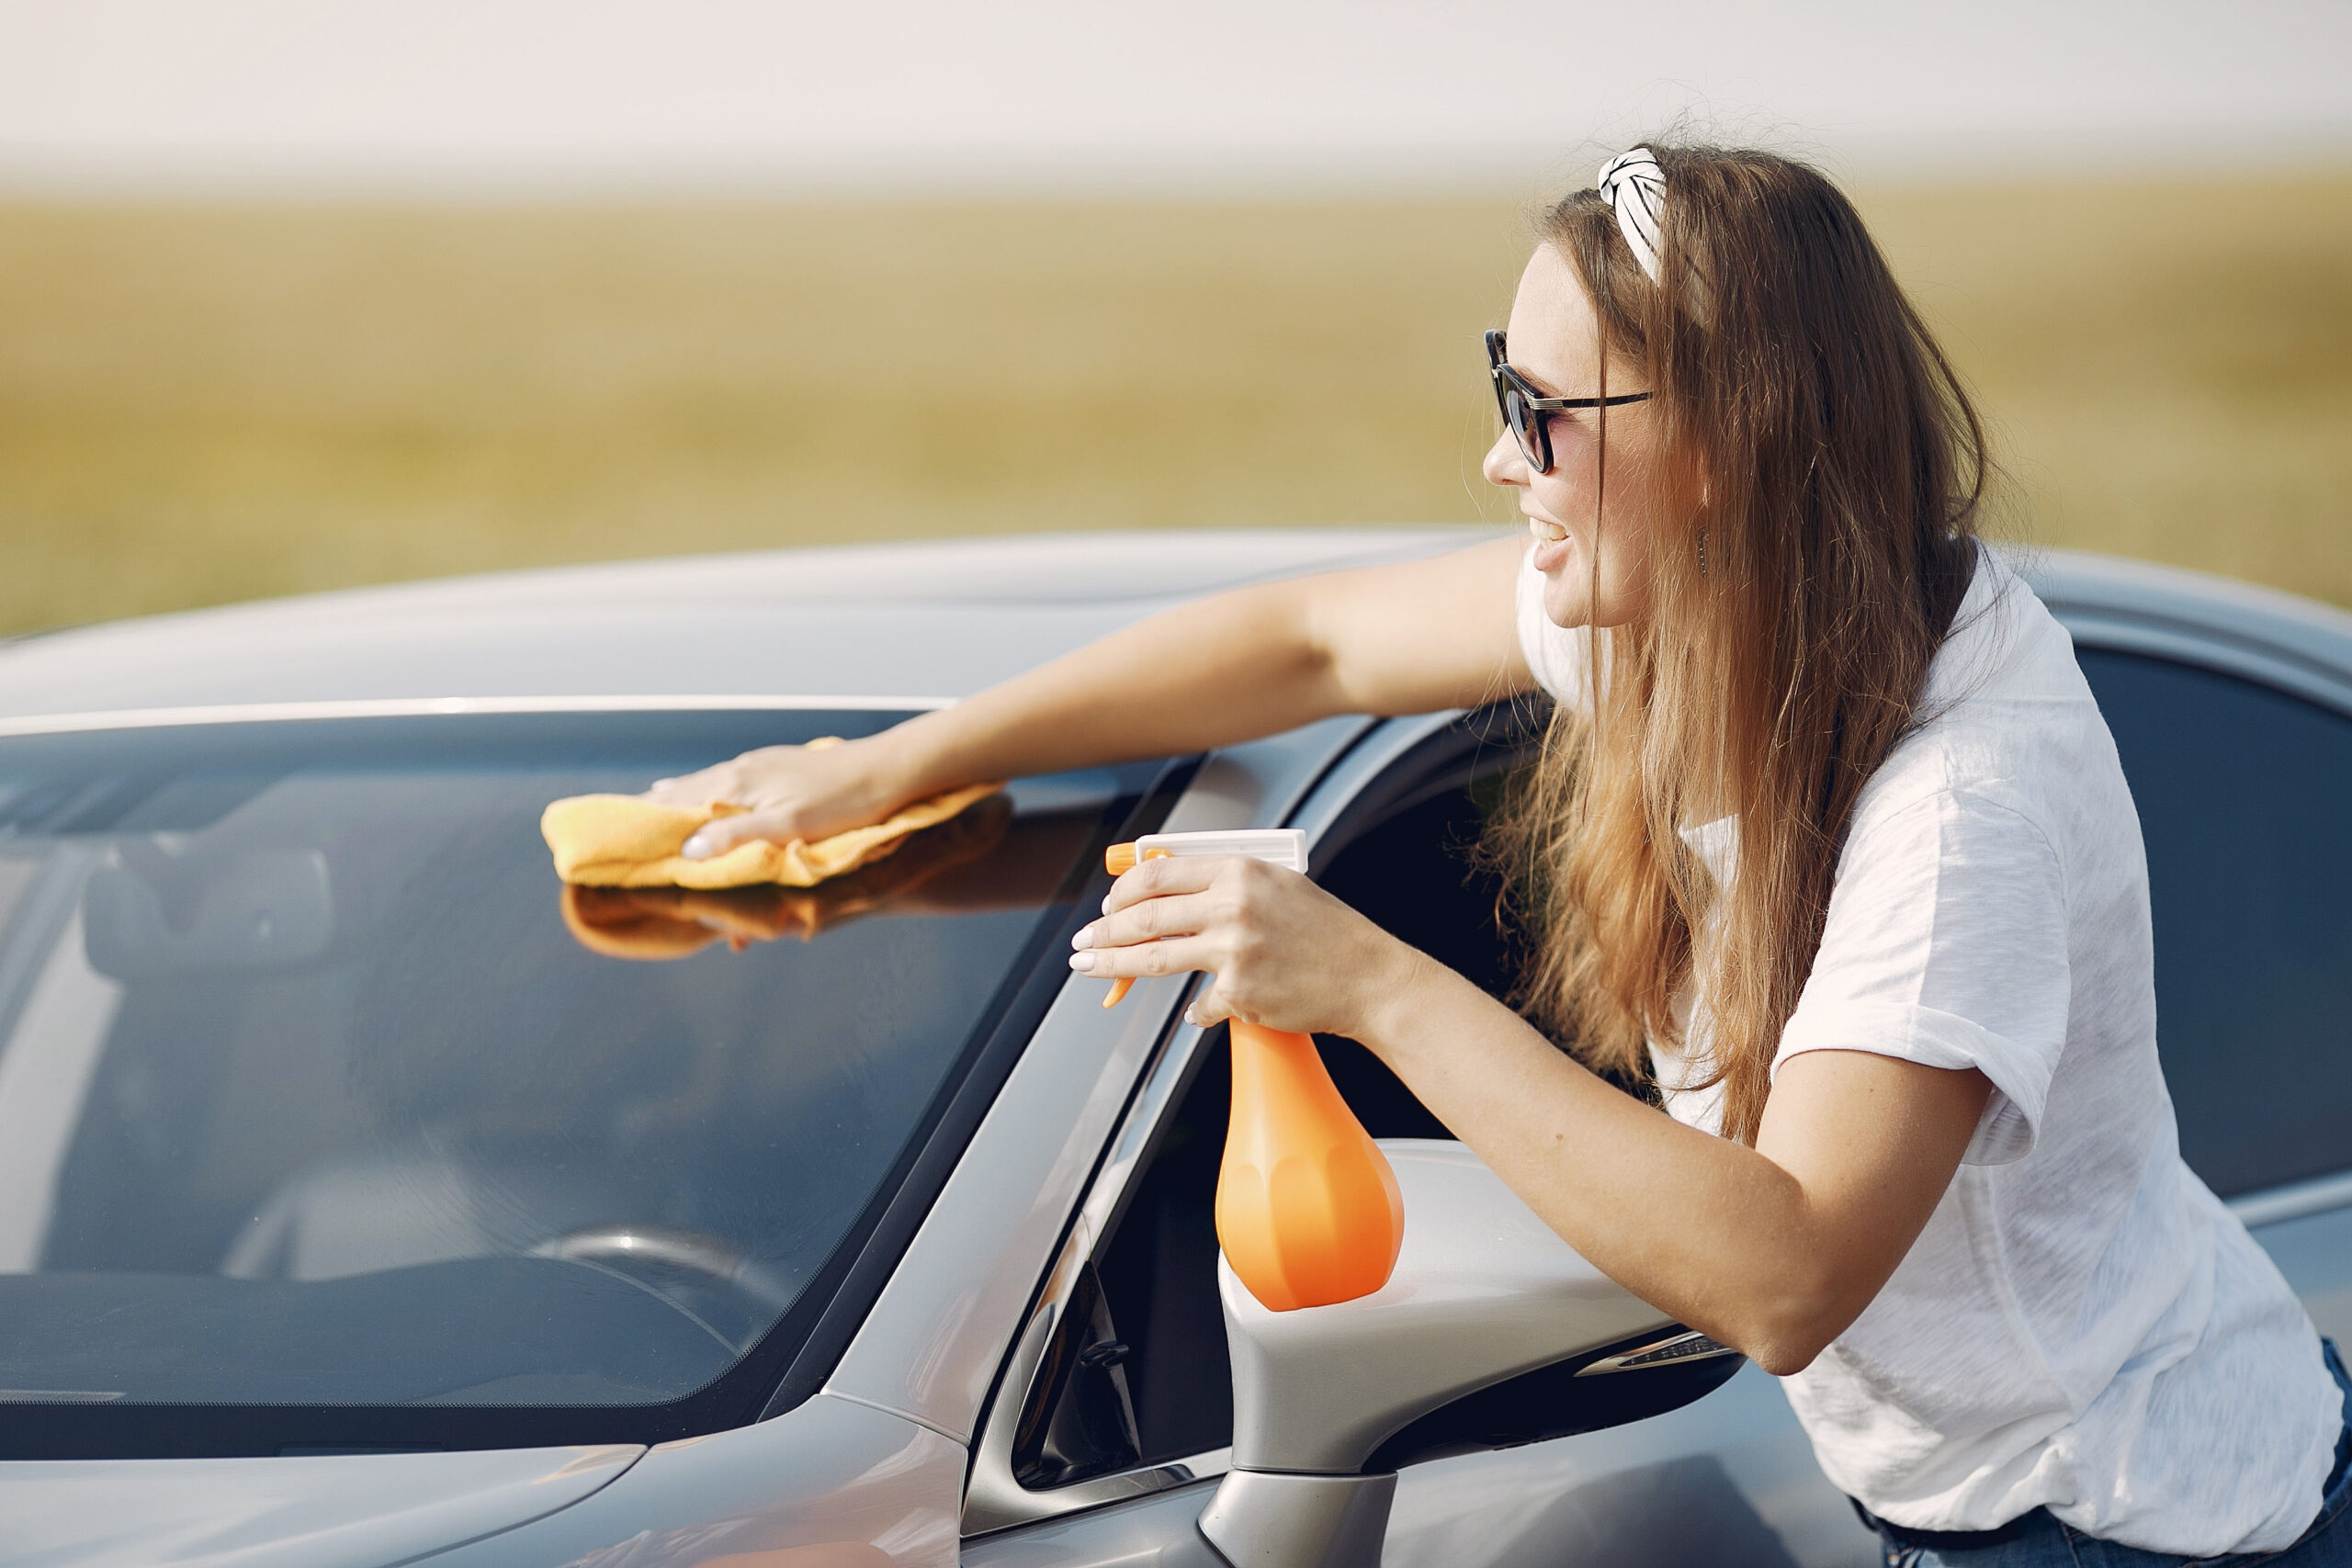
{"points": [[688, 789], [1144, 959], [1158, 878], [1178, 914], [1209, 1008], [718, 837]]}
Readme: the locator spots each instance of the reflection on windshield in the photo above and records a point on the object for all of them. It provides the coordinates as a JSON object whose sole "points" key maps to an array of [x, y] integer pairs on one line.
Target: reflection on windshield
{"points": [[315, 1088]]}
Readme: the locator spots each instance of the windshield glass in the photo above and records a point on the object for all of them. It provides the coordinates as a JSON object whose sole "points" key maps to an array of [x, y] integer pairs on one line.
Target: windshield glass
{"points": [[317, 1089]]}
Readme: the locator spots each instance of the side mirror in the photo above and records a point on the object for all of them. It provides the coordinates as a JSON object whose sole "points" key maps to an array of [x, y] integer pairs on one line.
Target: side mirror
{"points": [[1493, 1331]]}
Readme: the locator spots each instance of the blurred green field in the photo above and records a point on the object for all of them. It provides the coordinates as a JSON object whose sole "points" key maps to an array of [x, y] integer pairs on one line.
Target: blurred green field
{"points": [[206, 405]]}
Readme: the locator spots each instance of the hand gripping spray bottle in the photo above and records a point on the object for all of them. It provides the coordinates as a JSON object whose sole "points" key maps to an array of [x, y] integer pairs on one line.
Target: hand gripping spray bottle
{"points": [[1307, 1209]]}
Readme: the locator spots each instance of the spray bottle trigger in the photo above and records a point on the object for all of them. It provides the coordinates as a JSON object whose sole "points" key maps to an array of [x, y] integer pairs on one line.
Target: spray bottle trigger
{"points": [[1119, 860]]}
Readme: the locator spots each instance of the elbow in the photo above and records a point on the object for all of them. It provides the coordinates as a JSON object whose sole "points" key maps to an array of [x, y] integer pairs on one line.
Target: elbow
{"points": [[1784, 1336], [1785, 1355]]}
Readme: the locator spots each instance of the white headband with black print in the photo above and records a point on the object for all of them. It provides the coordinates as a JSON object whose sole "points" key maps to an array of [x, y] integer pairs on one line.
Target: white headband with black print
{"points": [[1635, 187]]}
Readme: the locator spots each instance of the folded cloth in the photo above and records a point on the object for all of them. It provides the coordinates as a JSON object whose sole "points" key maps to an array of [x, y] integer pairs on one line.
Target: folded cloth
{"points": [[624, 840], [673, 922]]}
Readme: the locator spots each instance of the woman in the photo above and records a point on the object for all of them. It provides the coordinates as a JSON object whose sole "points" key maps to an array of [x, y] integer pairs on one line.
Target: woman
{"points": [[1827, 833]]}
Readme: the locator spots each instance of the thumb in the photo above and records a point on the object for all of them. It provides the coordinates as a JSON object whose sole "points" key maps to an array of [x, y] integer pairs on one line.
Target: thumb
{"points": [[716, 838], [1209, 1008]]}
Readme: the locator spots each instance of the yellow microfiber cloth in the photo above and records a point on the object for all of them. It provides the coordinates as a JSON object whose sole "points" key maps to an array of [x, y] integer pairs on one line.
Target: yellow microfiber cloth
{"points": [[622, 841], [673, 922]]}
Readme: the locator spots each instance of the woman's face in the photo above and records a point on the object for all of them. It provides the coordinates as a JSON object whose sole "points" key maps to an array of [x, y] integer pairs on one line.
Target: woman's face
{"points": [[1554, 340]]}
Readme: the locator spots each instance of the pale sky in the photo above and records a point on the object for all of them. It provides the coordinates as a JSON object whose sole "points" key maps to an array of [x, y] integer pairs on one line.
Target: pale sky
{"points": [[954, 93]]}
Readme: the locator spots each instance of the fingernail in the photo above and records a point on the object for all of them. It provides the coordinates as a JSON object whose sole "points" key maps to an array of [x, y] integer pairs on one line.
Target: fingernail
{"points": [[1082, 962], [696, 847], [1085, 938]]}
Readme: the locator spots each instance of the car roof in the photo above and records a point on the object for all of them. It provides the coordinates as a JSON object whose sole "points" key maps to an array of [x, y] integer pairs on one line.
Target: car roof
{"points": [[2167, 610], [924, 621], [936, 619]]}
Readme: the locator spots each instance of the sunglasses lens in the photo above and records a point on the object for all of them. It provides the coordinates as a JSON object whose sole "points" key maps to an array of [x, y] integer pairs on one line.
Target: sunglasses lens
{"points": [[1524, 429], [1525, 424]]}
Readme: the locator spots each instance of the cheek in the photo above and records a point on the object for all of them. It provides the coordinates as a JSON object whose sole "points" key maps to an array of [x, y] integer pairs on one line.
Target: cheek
{"points": [[1568, 490], [1565, 493]]}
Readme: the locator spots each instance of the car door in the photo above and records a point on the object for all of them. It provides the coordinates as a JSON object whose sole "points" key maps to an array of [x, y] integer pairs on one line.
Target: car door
{"points": [[2235, 775]]}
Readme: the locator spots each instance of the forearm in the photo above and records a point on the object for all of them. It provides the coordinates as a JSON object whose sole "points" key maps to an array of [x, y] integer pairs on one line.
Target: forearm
{"points": [[1209, 673], [1227, 669], [1710, 1231], [1235, 666]]}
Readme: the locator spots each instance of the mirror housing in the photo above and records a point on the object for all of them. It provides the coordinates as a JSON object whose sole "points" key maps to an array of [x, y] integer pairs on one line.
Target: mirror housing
{"points": [[1484, 1294]]}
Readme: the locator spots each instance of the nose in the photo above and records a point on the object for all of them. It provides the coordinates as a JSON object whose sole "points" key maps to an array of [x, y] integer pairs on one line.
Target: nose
{"points": [[1506, 464]]}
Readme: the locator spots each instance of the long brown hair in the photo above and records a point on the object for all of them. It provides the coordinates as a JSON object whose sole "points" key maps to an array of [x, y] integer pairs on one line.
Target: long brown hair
{"points": [[1793, 616]]}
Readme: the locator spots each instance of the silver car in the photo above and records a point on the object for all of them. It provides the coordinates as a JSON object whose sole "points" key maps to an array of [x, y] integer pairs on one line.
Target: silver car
{"points": [[367, 1198]]}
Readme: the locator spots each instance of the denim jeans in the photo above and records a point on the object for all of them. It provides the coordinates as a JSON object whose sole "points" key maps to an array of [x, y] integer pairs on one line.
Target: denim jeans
{"points": [[2039, 1540]]}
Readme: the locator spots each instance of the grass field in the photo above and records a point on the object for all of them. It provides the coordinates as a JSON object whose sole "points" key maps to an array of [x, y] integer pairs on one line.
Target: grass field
{"points": [[200, 405]]}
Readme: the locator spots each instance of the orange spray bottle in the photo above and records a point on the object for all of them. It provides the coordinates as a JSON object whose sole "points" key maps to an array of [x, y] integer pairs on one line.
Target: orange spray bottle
{"points": [[1307, 1209]]}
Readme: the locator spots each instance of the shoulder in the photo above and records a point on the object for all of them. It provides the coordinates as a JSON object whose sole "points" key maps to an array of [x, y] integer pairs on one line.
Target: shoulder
{"points": [[2003, 648], [2007, 734]]}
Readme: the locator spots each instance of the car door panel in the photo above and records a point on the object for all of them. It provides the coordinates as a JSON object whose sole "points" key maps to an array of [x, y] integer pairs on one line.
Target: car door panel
{"points": [[1730, 1479]]}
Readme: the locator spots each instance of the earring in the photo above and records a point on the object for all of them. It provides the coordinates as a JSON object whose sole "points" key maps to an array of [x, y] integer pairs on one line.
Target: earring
{"points": [[1703, 552]]}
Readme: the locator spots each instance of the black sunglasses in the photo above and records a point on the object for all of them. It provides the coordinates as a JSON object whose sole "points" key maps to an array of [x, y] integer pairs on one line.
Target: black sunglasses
{"points": [[1526, 412]]}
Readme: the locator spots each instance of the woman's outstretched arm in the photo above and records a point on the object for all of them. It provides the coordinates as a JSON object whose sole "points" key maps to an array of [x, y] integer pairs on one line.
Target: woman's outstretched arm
{"points": [[1252, 662]]}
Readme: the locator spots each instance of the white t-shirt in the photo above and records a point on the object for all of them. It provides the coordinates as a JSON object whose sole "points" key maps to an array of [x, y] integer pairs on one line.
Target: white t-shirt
{"points": [[2082, 1323]]}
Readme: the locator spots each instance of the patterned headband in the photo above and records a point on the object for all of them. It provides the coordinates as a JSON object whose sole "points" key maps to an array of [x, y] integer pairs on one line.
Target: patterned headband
{"points": [[1635, 187]]}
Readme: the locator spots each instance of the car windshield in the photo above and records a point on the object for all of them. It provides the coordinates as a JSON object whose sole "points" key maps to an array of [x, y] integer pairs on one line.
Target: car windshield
{"points": [[317, 1089]]}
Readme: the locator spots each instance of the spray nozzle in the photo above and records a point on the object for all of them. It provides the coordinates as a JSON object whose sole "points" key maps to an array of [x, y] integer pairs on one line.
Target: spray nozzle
{"points": [[1279, 846]]}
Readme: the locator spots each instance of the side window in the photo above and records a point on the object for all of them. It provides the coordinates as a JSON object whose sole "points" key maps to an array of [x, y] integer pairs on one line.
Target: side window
{"points": [[2241, 790], [1411, 873]]}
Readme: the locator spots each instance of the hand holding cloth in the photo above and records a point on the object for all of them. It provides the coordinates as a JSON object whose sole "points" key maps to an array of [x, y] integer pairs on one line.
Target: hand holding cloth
{"points": [[626, 840]]}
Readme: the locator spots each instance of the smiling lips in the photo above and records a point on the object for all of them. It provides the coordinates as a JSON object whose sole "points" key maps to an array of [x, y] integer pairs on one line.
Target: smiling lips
{"points": [[1546, 532]]}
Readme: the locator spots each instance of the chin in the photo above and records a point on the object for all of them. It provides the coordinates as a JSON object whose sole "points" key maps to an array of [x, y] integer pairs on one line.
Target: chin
{"points": [[1569, 610]]}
